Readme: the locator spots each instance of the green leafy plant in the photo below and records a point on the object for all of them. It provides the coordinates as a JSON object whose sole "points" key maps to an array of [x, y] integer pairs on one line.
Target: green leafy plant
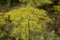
{"points": [[36, 3]]}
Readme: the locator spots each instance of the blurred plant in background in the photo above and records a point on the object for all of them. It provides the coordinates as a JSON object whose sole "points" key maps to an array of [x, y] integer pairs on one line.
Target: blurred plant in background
{"points": [[30, 20]]}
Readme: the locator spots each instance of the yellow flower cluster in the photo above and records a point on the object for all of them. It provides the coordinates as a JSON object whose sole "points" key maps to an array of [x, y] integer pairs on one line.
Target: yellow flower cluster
{"points": [[29, 19]]}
